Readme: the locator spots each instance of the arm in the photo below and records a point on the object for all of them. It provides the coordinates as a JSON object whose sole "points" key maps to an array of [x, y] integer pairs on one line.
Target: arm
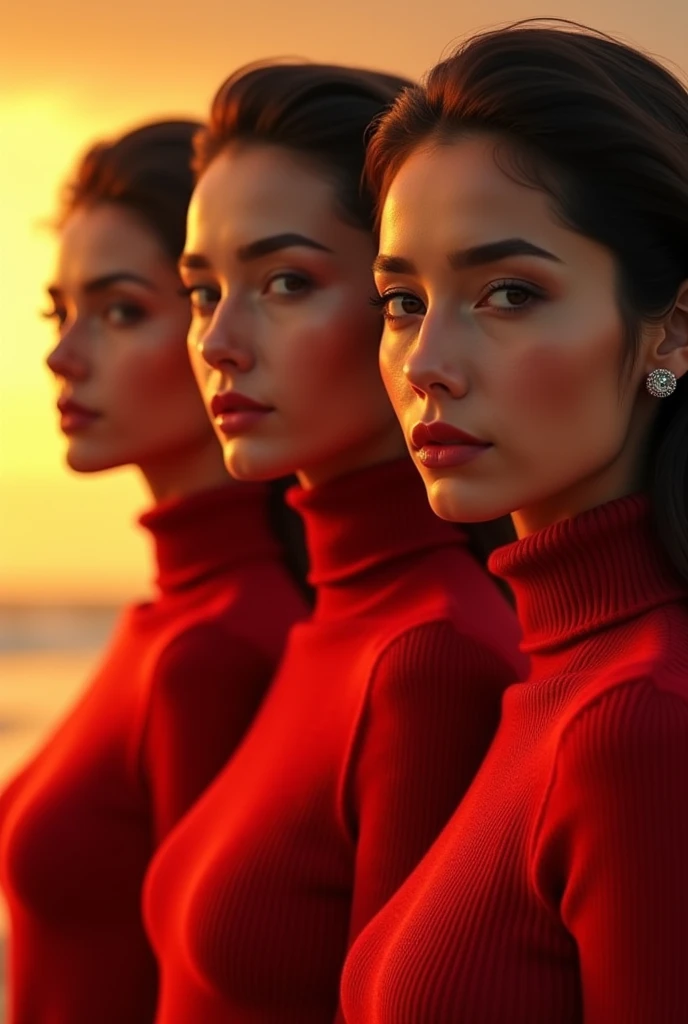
{"points": [[615, 831], [433, 709], [206, 689]]}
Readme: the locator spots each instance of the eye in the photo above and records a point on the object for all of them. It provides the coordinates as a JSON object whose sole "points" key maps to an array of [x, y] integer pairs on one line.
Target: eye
{"points": [[123, 314], [510, 296], [397, 305], [287, 285], [203, 298], [57, 313]]}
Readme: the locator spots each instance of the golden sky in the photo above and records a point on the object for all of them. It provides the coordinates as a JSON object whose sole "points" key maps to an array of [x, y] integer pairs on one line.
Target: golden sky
{"points": [[74, 70]]}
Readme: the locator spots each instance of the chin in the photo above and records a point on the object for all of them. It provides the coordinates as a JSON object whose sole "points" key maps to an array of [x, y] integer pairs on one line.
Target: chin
{"points": [[456, 502], [84, 459], [248, 463]]}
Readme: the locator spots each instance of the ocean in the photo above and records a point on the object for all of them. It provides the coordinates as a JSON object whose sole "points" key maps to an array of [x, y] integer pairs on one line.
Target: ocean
{"points": [[46, 656]]}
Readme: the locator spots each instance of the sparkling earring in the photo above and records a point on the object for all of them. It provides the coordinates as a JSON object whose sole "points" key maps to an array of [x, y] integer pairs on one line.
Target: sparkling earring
{"points": [[661, 383]]}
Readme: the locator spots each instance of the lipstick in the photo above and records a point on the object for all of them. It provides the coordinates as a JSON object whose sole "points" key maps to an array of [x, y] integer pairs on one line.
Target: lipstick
{"points": [[234, 413], [440, 445], [75, 418]]}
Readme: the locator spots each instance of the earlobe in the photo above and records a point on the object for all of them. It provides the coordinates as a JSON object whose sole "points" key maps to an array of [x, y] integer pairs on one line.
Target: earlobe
{"points": [[671, 347]]}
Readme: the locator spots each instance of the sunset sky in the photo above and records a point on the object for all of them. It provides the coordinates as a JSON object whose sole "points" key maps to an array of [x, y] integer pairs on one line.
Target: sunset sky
{"points": [[74, 71]]}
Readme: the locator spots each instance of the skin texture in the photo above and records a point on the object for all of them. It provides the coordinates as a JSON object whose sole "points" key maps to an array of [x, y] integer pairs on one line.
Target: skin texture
{"points": [[525, 352], [292, 329], [121, 352]]}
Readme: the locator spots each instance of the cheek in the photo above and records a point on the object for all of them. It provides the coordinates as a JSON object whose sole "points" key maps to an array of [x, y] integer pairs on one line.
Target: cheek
{"points": [[392, 357], [564, 381], [332, 351], [157, 376]]}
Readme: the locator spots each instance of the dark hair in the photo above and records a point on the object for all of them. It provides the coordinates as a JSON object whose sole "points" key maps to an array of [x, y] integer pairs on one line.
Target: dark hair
{"points": [[147, 171], [603, 129], [321, 112]]}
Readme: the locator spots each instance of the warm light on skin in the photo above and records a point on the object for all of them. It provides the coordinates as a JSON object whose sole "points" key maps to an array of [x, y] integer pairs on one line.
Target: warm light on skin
{"points": [[52, 524], [121, 323], [524, 352], [293, 328]]}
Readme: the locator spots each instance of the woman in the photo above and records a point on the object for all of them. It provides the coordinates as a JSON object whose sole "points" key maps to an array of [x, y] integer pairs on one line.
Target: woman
{"points": [[386, 700], [185, 672], [533, 271]]}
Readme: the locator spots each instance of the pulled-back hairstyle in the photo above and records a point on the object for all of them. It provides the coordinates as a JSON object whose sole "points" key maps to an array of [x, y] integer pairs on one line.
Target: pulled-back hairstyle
{"points": [[322, 113], [603, 129], [318, 111], [146, 171]]}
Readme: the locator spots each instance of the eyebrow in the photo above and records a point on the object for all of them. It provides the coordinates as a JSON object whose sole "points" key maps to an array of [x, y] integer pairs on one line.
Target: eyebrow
{"points": [[256, 250], [476, 256], [100, 284]]}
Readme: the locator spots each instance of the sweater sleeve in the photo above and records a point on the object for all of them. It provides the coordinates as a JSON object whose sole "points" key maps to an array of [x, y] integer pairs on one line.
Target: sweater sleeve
{"points": [[614, 853], [206, 690], [433, 708]]}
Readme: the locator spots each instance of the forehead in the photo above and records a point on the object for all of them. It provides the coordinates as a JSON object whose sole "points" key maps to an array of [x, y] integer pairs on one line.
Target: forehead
{"points": [[98, 240], [250, 192], [461, 187]]}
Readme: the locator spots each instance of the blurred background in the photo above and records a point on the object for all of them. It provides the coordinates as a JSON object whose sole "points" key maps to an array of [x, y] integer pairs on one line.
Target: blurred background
{"points": [[75, 70]]}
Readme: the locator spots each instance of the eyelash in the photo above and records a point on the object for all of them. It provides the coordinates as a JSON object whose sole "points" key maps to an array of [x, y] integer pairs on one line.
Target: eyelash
{"points": [[507, 284], [303, 279], [188, 293], [134, 313], [53, 314], [513, 284], [381, 302]]}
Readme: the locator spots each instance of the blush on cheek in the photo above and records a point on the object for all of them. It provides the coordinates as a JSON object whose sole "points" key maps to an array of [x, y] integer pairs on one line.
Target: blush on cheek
{"points": [[551, 380]]}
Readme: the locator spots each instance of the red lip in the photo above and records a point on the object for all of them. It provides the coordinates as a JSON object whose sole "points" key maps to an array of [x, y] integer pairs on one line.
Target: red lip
{"points": [[232, 401], [441, 433], [75, 418], [68, 407]]}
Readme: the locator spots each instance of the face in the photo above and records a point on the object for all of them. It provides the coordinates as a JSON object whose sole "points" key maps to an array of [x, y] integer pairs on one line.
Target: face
{"points": [[284, 338], [503, 346], [126, 391]]}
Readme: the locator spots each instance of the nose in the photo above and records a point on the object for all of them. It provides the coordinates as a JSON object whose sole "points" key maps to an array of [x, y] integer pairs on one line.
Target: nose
{"points": [[434, 364], [225, 345], [67, 358]]}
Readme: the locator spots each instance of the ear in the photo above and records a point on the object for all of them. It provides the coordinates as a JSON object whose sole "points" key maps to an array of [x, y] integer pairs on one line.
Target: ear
{"points": [[669, 348]]}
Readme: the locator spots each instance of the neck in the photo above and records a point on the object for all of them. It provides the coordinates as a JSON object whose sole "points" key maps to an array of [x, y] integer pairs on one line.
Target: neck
{"points": [[587, 573], [385, 447], [360, 525], [198, 468], [616, 480]]}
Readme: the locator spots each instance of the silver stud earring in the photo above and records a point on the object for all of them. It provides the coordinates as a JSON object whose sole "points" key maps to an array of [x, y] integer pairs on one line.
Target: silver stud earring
{"points": [[661, 383]]}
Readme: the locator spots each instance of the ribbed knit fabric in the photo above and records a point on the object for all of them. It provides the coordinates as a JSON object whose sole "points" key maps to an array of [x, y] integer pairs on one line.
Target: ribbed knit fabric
{"points": [[181, 681], [377, 720], [558, 893]]}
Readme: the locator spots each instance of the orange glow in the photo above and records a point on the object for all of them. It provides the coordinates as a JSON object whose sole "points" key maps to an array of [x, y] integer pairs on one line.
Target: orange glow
{"points": [[77, 71]]}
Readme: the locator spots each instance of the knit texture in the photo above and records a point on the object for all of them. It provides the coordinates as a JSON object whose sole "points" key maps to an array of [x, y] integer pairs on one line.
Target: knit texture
{"points": [[558, 892], [379, 716], [181, 681]]}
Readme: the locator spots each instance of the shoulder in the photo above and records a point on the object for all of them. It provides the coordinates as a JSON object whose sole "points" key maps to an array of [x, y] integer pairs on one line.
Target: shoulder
{"points": [[205, 648]]}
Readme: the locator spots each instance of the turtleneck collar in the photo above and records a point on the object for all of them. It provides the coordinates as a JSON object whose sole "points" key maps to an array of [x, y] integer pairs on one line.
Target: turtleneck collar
{"points": [[209, 532], [358, 525], [580, 575]]}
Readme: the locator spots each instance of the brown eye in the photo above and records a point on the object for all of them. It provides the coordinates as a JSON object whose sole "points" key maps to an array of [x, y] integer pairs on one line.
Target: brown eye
{"points": [[397, 305], [57, 314], [204, 298], [124, 314], [287, 284], [510, 296]]}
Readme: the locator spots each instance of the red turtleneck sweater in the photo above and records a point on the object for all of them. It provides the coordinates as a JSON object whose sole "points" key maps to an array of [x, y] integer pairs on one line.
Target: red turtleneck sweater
{"points": [[558, 893], [381, 712], [181, 681]]}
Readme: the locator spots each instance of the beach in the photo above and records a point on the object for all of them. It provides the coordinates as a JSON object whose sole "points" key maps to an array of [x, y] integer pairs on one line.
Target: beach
{"points": [[46, 656]]}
